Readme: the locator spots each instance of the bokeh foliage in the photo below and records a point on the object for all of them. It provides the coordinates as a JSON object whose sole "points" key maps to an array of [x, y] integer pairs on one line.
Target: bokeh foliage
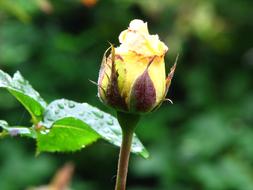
{"points": [[203, 141]]}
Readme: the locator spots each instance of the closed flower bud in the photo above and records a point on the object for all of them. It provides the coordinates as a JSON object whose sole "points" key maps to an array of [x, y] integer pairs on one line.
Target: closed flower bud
{"points": [[132, 76]]}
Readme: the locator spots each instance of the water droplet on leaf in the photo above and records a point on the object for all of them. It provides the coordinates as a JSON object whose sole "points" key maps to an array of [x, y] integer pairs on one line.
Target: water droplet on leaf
{"points": [[98, 114], [109, 121], [71, 104], [50, 119], [82, 113], [116, 131], [44, 132], [57, 111], [60, 106]]}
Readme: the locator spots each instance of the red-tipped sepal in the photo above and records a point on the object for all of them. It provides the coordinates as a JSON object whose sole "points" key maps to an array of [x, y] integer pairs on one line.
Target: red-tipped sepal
{"points": [[113, 97], [110, 94], [143, 94], [170, 76]]}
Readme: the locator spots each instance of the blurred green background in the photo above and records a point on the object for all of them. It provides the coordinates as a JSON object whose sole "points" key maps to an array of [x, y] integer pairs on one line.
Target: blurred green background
{"points": [[204, 141]]}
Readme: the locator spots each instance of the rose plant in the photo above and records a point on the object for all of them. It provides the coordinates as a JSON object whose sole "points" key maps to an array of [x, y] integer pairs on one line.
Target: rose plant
{"points": [[132, 80]]}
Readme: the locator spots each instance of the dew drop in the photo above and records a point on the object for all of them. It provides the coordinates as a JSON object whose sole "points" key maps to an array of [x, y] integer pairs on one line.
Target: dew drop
{"points": [[21, 81], [116, 131], [71, 104], [61, 106], [36, 93], [135, 144], [109, 121], [57, 111], [49, 119], [82, 113], [44, 132], [98, 114], [106, 130]]}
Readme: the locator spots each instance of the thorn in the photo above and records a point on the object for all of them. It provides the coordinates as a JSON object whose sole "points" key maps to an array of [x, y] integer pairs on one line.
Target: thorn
{"points": [[104, 56], [113, 178], [93, 82], [168, 100], [110, 44], [176, 59]]}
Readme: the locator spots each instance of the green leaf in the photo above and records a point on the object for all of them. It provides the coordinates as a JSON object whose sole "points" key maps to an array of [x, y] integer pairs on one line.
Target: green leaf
{"points": [[65, 120], [24, 93], [15, 130], [69, 125], [67, 134]]}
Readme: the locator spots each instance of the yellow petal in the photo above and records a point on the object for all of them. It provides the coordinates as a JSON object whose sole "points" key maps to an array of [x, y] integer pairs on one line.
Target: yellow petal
{"points": [[158, 76], [137, 38]]}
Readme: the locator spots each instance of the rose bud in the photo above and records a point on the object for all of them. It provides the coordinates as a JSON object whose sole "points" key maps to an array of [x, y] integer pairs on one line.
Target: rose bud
{"points": [[132, 77]]}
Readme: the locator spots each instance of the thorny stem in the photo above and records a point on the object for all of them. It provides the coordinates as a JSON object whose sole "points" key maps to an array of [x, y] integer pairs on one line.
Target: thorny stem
{"points": [[128, 123]]}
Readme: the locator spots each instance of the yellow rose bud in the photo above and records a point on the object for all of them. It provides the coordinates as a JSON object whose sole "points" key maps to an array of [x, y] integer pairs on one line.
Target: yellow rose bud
{"points": [[132, 77]]}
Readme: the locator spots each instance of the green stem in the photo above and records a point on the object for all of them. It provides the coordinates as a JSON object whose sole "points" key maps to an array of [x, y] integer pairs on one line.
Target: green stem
{"points": [[128, 123]]}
